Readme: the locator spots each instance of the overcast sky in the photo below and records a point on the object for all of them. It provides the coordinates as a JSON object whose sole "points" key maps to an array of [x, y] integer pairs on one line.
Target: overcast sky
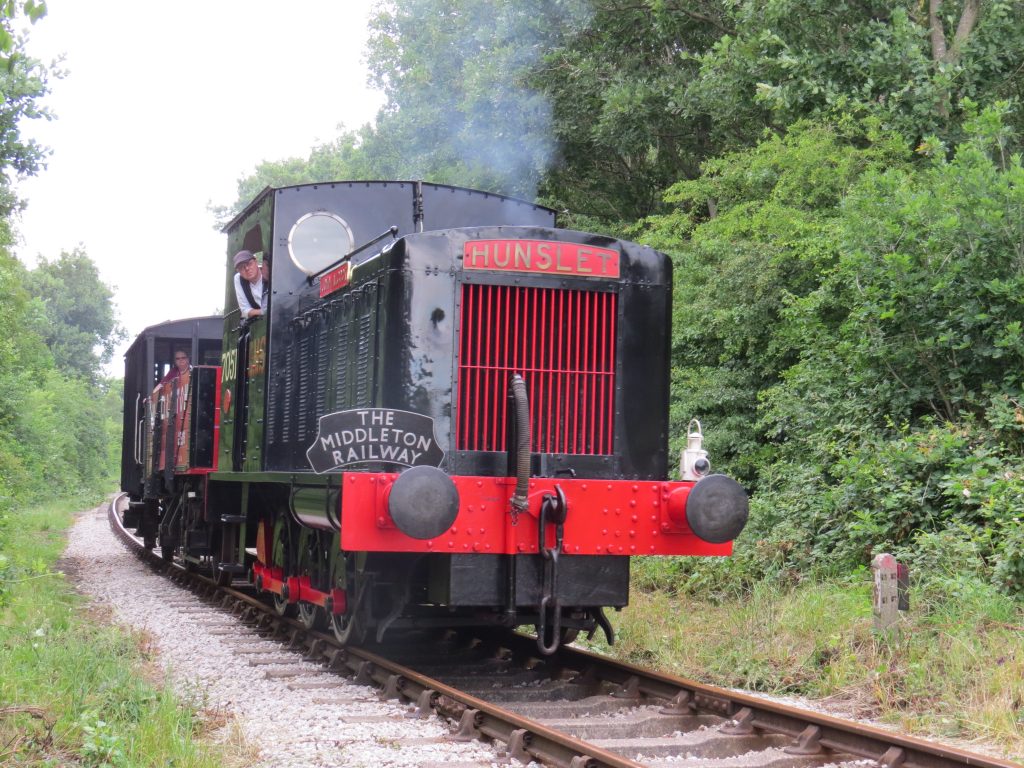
{"points": [[164, 107]]}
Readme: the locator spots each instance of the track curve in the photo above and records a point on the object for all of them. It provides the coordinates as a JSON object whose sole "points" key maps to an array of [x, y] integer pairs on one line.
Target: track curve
{"points": [[578, 708]]}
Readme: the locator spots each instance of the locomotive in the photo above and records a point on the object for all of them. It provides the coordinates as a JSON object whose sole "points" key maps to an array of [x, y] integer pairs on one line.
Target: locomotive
{"points": [[450, 413]]}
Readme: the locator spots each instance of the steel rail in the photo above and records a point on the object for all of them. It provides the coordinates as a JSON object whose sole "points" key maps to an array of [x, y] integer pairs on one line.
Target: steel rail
{"points": [[477, 718], [808, 728], [527, 739]]}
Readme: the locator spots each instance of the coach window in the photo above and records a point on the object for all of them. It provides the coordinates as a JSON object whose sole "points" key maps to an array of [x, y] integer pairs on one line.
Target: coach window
{"points": [[317, 240]]}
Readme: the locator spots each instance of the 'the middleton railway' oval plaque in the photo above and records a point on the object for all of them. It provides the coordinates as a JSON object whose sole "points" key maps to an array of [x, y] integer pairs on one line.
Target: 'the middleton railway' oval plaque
{"points": [[370, 435]]}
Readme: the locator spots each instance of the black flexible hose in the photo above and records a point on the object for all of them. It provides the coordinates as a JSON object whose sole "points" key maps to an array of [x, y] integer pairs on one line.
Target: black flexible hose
{"points": [[521, 403]]}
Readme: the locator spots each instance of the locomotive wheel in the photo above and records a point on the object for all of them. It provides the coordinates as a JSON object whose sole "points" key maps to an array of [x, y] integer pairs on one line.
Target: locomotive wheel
{"points": [[167, 547], [311, 616], [279, 559], [220, 578], [281, 606], [148, 524], [348, 627], [568, 635]]}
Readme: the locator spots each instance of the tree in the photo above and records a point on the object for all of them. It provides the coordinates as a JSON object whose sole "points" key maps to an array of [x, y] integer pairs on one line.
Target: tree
{"points": [[81, 329], [23, 362], [617, 84], [773, 240], [850, 331], [910, 64], [22, 356], [932, 271], [459, 106], [23, 83], [56, 425]]}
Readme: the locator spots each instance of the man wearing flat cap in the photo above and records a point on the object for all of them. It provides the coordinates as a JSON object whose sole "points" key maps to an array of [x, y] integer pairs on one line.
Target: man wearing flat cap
{"points": [[250, 290]]}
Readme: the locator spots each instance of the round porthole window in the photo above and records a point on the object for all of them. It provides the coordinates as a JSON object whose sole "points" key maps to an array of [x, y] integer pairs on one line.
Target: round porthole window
{"points": [[317, 240]]}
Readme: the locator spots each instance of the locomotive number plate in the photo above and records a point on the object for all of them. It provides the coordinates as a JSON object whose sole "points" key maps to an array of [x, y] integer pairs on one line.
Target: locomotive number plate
{"points": [[543, 256], [335, 279]]}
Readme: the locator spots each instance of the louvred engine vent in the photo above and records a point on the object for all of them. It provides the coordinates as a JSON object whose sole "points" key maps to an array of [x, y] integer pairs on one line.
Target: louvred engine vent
{"points": [[562, 342]]}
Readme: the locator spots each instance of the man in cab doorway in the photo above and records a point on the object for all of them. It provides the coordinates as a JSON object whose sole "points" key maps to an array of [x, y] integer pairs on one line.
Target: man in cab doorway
{"points": [[250, 287]]}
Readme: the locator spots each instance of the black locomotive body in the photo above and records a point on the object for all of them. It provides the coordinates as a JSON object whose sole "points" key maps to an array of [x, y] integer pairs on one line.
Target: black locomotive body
{"points": [[450, 412]]}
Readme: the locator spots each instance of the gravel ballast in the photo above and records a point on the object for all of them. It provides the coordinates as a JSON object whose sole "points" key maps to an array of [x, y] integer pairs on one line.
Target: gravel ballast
{"points": [[289, 710]]}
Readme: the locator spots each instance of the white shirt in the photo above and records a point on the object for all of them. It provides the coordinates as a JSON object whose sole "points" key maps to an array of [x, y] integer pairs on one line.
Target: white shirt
{"points": [[258, 292]]}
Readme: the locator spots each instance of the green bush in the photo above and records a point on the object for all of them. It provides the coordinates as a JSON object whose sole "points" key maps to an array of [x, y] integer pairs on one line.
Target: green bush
{"points": [[1008, 573], [849, 331]]}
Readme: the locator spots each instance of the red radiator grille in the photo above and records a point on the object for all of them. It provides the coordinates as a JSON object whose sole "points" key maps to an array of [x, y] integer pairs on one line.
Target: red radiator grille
{"points": [[562, 343]]}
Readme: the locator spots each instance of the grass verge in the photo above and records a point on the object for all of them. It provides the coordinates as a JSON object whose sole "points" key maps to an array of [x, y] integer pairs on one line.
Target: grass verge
{"points": [[954, 668], [74, 688]]}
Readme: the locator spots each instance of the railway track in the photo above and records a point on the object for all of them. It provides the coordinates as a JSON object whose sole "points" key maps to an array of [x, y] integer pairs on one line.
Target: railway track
{"points": [[576, 708]]}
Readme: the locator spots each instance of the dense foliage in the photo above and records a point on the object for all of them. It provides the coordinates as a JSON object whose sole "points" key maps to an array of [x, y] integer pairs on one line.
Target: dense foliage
{"points": [[850, 326], [24, 81], [58, 416]]}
